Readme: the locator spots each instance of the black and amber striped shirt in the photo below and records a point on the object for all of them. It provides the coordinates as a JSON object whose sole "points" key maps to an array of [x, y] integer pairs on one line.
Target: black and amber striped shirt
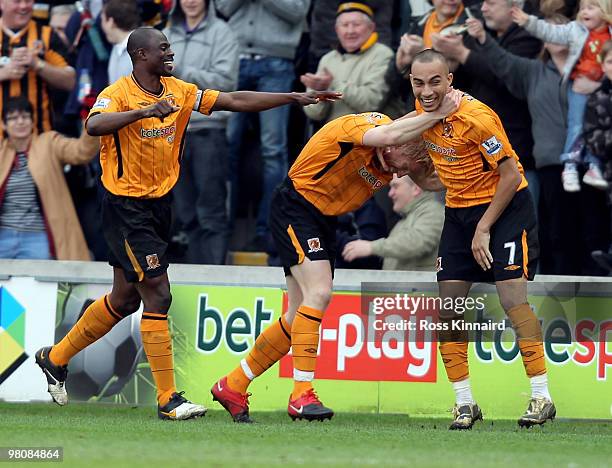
{"points": [[31, 85], [142, 159], [335, 171], [466, 148]]}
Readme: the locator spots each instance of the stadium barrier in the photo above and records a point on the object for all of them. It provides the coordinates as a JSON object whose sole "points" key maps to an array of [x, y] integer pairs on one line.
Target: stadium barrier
{"points": [[370, 360]]}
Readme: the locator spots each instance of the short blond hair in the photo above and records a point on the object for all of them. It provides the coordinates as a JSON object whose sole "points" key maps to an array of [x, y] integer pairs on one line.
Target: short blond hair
{"points": [[604, 5]]}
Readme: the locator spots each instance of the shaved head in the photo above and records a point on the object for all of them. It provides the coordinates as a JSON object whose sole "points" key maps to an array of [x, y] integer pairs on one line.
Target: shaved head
{"points": [[429, 56], [142, 38]]}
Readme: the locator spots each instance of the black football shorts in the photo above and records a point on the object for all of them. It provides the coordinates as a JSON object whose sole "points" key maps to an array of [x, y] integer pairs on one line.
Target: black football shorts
{"points": [[514, 243], [299, 229], [137, 232]]}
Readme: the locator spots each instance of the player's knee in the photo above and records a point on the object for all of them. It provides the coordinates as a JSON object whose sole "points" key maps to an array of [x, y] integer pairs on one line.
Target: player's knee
{"points": [[124, 304], [130, 306], [319, 298], [447, 314]]}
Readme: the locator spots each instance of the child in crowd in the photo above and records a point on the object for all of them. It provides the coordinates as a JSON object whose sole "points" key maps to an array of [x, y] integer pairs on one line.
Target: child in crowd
{"points": [[585, 37]]}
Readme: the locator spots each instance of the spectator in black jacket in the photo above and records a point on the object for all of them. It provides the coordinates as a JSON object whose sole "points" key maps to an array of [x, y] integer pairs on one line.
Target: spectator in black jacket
{"points": [[597, 131], [567, 232], [491, 90], [598, 116]]}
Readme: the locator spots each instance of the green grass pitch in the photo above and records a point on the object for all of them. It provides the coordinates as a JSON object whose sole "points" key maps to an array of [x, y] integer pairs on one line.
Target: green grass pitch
{"points": [[117, 436]]}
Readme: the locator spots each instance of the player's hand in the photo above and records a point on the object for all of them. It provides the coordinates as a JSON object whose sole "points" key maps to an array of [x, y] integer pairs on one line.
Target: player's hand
{"points": [[450, 103], [160, 109], [480, 248], [357, 249], [313, 97], [519, 16], [318, 81], [380, 154], [476, 29]]}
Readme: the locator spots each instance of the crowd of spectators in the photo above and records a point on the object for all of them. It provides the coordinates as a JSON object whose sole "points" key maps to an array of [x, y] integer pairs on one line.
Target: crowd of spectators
{"points": [[553, 98]]}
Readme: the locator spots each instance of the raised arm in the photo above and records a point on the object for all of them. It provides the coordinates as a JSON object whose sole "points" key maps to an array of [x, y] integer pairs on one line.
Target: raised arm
{"points": [[401, 131], [73, 150], [514, 71], [547, 32], [253, 101], [63, 78]]}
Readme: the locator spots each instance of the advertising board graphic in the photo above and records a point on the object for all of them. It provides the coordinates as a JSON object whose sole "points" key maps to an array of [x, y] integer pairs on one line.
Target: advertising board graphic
{"points": [[361, 367], [27, 312]]}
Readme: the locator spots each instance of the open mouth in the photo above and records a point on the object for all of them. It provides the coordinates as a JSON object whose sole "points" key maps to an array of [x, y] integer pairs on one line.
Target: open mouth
{"points": [[169, 64], [429, 101]]}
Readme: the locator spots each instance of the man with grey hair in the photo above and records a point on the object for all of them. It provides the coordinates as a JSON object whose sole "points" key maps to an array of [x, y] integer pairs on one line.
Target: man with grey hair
{"points": [[356, 68]]}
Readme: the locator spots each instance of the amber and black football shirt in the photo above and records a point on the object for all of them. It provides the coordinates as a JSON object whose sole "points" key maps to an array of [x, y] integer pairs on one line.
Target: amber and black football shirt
{"points": [[335, 171], [142, 159], [466, 148]]}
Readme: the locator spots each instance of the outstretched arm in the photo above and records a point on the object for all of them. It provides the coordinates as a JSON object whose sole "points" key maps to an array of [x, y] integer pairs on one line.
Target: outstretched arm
{"points": [[253, 101], [401, 131]]}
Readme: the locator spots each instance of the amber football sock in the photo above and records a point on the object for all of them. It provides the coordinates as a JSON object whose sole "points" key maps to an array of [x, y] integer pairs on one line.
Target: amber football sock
{"points": [[529, 335], [304, 345], [158, 348], [96, 321], [453, 349], [270, 346]]}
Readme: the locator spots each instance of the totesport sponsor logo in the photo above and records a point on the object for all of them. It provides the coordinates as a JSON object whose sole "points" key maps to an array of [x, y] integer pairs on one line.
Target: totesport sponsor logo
{"points": [[157, 132], [370, 178], [584, 344]]}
